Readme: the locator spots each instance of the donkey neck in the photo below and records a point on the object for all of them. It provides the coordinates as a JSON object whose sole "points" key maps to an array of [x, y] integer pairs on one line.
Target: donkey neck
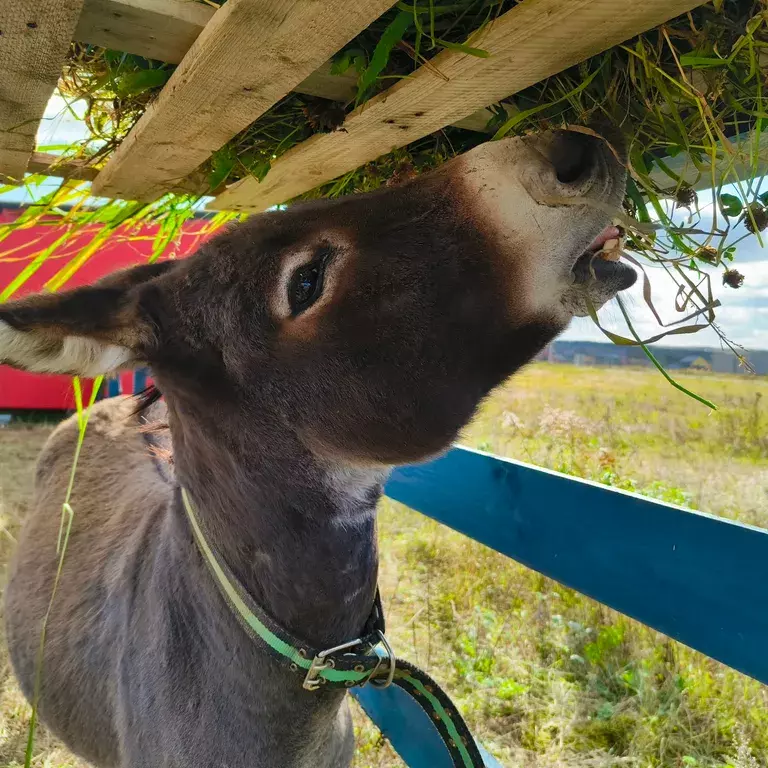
{"points": [[300, 537]]}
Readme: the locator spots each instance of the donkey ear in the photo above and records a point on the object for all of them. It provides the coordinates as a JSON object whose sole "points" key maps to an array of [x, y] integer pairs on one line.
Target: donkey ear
{"points": [[87, 331]]}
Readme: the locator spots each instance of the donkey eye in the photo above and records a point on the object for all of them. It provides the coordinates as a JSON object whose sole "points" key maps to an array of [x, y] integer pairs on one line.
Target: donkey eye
{"points": [[306, 285]]}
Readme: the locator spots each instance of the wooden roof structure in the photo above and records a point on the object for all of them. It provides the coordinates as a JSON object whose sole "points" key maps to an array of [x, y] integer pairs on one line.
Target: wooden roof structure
{"points": [[236, 62]]}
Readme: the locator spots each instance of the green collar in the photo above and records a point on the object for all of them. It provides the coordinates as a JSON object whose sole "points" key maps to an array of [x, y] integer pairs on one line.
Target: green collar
{"points": [[363, 658], [368, 659]]}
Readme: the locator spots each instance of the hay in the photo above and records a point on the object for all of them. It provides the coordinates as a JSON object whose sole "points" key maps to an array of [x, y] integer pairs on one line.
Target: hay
{"points": [[692, 88]]}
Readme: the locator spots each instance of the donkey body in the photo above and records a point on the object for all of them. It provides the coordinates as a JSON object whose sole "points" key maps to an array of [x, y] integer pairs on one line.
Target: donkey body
{"points": [[144, 661], [301, 355]]}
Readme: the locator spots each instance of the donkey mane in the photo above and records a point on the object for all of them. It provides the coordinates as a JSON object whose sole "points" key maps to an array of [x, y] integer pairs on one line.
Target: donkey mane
{"points": [[146, 398]]}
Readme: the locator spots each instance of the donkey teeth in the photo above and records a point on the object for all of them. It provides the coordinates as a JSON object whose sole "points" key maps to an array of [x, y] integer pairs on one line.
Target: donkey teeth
{"points": [[611, 250]]}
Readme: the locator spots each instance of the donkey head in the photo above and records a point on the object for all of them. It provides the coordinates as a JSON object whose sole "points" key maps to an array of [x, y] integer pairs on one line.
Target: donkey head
{"points": [[368, 327]]}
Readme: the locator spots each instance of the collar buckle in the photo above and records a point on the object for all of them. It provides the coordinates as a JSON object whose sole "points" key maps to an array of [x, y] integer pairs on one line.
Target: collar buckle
{"points": [[324, 661]]}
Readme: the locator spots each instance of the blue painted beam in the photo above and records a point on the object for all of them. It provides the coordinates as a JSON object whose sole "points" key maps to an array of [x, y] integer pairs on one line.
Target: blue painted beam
{"points": [[697, 578]]}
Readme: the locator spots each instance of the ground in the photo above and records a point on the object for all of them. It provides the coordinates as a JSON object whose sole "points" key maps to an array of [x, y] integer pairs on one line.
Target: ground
{"points": [[546, 677]]}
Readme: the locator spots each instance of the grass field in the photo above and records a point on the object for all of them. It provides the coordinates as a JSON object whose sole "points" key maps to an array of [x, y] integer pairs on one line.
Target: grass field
{"points": [[545, 677]]}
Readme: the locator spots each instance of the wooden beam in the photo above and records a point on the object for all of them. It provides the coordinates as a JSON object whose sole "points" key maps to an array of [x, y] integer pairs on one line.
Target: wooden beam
{"points": [[250, 55], [46, 164], [532, 41], [478, 121], [34, 39], [165, 30], [155, 29], [749, 160], [327, 86]]}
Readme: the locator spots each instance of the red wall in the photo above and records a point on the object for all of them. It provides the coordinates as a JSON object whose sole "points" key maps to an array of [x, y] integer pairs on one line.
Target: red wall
{"points": [[21, 390]]}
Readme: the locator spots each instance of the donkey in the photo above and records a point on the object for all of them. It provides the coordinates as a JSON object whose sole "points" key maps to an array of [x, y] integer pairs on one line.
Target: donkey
{"points": [[301, 355]]}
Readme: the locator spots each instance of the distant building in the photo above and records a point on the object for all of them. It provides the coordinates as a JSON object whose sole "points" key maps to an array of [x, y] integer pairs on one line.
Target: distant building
{"points": [[695, 363], [681, 358]]}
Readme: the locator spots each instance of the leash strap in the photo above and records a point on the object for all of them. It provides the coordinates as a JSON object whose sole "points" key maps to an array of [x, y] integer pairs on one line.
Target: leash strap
{"points": [[368, 659]]}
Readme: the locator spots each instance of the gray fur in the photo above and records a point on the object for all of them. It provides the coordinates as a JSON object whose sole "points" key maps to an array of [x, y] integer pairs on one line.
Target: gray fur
{"points": [[281, 426]]}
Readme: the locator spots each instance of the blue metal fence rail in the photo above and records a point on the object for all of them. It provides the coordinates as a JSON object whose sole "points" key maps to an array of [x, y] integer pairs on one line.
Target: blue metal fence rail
{"points": [[697, 578]]}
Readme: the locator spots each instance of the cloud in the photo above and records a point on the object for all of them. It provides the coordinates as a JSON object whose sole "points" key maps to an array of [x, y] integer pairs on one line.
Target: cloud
{"points": [[743, 315]]}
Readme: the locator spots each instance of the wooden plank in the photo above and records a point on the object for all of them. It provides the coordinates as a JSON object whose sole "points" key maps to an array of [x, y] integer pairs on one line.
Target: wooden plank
{"points": [[46, 164], [155, 29], [532, 41], [697, 578], [327, 86], [34, 39], [165, 30], [749, 161], [478, 121], [250, 55]]}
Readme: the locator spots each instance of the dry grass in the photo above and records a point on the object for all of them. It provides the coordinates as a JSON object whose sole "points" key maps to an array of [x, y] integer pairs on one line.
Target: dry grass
{"points": [[18, 451], [545, 676]]}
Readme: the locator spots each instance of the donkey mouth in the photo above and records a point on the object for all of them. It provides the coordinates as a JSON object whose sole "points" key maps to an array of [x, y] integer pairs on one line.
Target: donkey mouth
{"points": [[597, 264]]}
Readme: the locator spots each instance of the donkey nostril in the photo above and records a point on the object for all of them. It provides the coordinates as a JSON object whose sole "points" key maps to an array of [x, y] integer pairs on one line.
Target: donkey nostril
{"points": [[573, 156]]}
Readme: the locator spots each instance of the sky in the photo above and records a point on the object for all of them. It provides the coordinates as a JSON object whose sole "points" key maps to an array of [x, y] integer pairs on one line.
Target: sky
{"points": [[743, 315]]}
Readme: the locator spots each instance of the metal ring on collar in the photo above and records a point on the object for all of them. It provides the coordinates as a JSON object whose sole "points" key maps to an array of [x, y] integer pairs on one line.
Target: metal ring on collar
{"points": [[392, 665]]}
